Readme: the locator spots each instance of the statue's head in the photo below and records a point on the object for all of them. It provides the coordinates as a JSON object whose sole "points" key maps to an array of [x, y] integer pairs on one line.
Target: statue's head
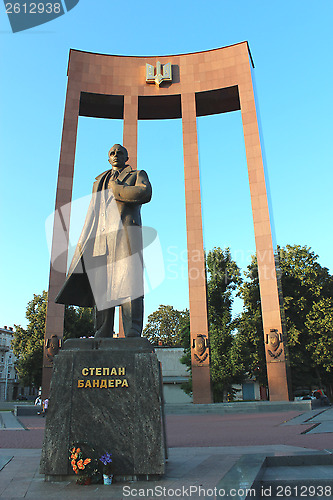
{"points": [[118, 156]]}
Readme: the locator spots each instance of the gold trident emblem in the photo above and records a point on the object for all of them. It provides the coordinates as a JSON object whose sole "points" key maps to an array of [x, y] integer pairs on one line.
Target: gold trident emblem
{"points": [[159, 77]]}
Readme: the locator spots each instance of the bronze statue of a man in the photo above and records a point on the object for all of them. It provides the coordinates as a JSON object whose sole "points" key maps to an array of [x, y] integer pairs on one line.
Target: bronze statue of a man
{"points": [[107, 266]]}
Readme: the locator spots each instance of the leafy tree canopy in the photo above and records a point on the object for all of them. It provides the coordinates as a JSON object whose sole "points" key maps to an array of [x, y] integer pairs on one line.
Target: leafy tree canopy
{"points": [[165, 325], [223, 277], [78, 322], [28, 342], [319, 324], [307, 288], [249, 330], [305, 283]]}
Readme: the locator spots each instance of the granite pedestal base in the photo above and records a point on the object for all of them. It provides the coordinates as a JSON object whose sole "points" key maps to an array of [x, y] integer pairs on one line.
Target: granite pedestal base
{"points": [[106, 393]]}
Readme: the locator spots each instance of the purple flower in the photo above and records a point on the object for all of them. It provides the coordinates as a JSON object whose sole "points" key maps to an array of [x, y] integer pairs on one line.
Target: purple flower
{"points": [[106, 459]]}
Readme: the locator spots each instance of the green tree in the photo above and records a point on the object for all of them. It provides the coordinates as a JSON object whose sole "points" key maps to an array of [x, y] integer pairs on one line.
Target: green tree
{"points": [[223, 277], [78, 322], [165, 325], [319, 324], [186, 358], [28, 342], [249, 336], [305, 285]]}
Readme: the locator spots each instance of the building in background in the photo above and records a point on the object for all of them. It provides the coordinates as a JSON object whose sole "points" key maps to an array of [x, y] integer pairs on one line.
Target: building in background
{"points": [[174, 373], [8, 378], [249, 390], [9, 383]]}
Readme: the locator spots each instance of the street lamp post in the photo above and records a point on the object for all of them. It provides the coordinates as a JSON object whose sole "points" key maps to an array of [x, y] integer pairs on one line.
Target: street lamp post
{"points": [[6, 376]]}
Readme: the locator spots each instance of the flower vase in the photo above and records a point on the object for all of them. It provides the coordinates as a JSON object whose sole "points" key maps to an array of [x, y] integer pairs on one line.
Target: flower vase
{"points": [[84, 480], [107, 478]]}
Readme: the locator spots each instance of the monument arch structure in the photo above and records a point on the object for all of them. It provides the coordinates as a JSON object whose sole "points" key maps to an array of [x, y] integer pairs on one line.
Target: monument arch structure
{"points": [[177, 86]]}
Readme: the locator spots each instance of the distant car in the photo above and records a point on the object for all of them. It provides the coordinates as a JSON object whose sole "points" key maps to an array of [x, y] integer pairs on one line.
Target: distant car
{"points": [[22, 398], [321, 396], [318, 393], [302, 394]]}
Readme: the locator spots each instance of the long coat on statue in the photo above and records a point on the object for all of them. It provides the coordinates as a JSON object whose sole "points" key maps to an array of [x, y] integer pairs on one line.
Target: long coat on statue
{"points": [[107, 266]]}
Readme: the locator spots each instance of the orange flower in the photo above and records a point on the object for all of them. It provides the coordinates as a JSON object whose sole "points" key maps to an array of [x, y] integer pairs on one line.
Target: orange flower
{"points": [[78, 450], [87, 461], [80, 464], [73, 463], [73, 450]]}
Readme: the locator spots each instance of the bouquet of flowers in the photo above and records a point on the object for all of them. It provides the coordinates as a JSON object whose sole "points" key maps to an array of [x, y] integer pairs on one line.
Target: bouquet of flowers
{"points": [[106, 461], [83, 465]]}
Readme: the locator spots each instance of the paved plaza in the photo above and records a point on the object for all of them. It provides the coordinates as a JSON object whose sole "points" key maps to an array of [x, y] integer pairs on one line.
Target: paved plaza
{"points": [[204, 450]]}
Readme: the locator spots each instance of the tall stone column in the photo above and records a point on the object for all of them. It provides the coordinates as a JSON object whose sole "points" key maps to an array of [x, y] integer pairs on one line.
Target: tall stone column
{"points": [[130, 132], [275, 350], [59, 250], [130, 142], [196, 258]]}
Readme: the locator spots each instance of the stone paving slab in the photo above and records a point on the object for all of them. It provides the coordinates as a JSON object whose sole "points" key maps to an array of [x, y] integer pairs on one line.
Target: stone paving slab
{"points": [[321, 419], [189, 466], [325, 427], [324, 416], [194, 470], [10, 422], [305, 418], [4, 461]]}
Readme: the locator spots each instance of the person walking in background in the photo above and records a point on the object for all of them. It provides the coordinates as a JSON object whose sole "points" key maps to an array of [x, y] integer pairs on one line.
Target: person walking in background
{"points": [[45, 406], [38, 401]]}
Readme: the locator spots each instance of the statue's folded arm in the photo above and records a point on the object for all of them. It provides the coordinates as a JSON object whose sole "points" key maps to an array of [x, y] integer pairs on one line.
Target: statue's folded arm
{"points": [[139, 193]]}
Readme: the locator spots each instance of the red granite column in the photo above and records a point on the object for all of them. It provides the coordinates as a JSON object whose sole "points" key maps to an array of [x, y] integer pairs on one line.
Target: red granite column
{"points": [[130, 133], [271, 314], [130, 142], [58, 267], [196, 258]]}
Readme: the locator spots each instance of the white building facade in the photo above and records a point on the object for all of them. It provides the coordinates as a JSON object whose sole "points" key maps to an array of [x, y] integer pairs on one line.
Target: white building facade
{"points": [[8, 378], [174, 373]]}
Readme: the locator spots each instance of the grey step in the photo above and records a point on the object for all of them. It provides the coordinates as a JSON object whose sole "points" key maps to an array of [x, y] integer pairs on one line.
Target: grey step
{"points": [[9, 422], [280, 476], [27, 410], [240, 407], [302, 472], [297, 460], [297, 477]]}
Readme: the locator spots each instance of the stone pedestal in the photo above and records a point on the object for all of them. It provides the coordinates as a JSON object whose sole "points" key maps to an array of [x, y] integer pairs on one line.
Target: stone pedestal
{"points": [[106, 392]]}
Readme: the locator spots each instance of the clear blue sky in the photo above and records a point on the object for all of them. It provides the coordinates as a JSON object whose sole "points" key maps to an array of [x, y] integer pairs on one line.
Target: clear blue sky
{"points": [[291, 43]]}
